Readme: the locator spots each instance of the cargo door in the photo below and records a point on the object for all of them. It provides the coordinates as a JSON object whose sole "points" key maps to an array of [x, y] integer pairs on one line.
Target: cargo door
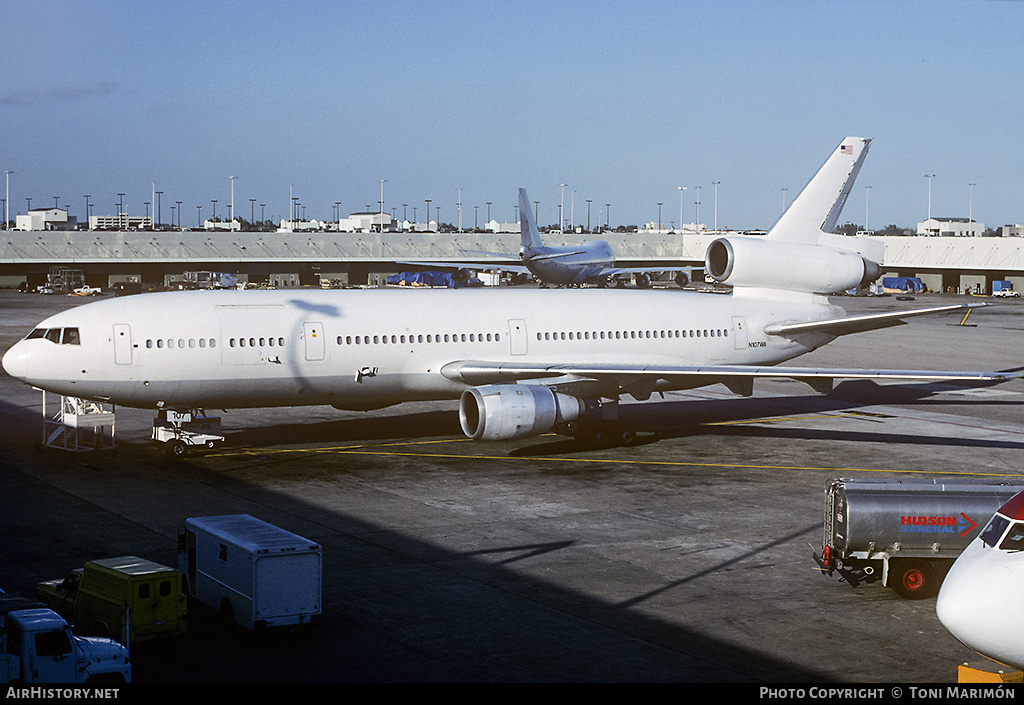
{"points": [[286, 585], [313, 337], [190, 558], [517, 336], [122, 344]]}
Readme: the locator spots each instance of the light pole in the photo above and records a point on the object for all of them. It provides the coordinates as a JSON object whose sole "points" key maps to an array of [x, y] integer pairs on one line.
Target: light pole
{"points": [[929, 177], [382, 182], [231, 208], [659, 217], [716, 205], [681, 189], [426, 225], [7, 200], [179, 214], [87, 196], [560, 206], [970, 206], [867, 202]]}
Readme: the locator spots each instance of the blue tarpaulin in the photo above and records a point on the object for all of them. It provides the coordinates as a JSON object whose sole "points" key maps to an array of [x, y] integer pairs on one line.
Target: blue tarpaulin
{"points": [[423, 279], [908, 284]]}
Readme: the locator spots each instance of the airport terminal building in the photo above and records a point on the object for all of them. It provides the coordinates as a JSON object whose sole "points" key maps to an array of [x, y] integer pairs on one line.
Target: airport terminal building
{"points": [[157, 258]]}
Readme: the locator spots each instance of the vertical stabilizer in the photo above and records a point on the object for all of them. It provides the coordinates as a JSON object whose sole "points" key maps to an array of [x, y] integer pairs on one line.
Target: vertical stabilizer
{"points": [[817, 208], [528, 233]]}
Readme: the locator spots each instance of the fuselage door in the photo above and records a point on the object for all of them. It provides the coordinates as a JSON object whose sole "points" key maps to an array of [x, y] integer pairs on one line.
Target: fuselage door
{"points": [[313, 337], [517, 336], [122, 344], [739, 333]]}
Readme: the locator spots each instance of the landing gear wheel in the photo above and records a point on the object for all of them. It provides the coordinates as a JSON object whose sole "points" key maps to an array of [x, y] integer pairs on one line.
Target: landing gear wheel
{"points": [[607, 435], [176, 449], [914, 580]]}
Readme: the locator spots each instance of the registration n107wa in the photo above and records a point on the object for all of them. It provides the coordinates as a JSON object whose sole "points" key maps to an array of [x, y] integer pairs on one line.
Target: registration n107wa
{"points": [[521, 362]]}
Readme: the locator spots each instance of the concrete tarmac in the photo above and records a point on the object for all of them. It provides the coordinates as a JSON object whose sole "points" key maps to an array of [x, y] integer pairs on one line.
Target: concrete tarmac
{"points": [[687, 557]]}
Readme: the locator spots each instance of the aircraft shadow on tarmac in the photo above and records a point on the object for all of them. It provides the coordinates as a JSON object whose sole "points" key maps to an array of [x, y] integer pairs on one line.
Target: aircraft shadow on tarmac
{"points": [[655, 421]]}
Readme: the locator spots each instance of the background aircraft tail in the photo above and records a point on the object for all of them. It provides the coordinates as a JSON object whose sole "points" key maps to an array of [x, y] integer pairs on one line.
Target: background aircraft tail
{"points": [[528, 233], [816, 210]]}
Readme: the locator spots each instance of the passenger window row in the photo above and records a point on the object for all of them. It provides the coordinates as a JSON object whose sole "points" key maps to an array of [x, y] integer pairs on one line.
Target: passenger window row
{"points": [[61, 336], [256, 342], [415, 339], [634, 334], [171, 343]]}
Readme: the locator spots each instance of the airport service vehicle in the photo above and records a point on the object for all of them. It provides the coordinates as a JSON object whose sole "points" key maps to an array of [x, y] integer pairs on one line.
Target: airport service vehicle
{"points": [[181, 431], [521, 363], [979, 602], [38, 647], [909, 532], [100, 596], [254, 573]]}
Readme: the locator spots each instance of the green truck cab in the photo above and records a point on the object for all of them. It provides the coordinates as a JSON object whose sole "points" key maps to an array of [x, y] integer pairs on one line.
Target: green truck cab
{"points": [[97, 597]]}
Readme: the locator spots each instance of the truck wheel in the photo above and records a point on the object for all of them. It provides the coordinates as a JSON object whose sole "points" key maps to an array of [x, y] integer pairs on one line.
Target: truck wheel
{"points": [[914, 580], [176, 449]]}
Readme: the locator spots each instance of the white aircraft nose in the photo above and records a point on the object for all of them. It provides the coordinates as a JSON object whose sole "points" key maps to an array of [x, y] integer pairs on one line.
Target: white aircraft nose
{"points": [[15, 362], [979, 605]]}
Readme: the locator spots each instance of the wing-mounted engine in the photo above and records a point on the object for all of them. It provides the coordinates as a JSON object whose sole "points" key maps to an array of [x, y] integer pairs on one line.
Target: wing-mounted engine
{"points": [[791, 266], [499, 412]]}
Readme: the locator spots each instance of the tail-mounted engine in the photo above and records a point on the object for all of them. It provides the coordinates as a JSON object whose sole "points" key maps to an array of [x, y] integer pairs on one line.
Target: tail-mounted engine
{"points": [[792, 266], [499, 412]]}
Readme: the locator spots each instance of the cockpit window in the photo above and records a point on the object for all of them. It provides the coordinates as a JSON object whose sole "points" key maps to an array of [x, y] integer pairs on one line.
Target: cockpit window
{"points": [[1014, 540], [61, 336], [991, 534]]}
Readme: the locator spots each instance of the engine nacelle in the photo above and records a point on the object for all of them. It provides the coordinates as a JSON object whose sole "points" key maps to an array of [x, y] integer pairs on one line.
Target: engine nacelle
{"points": [[501, 412], [792, 266]]}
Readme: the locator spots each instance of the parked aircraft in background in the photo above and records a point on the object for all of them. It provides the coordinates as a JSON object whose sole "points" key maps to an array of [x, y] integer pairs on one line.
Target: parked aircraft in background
{"points": [[981, 601], [590, 263], [520, 362]]}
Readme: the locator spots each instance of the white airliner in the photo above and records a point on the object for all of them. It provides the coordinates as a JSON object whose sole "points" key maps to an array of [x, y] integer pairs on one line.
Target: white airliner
{"points": [[521, 362], [590, 263], [981, 601]]}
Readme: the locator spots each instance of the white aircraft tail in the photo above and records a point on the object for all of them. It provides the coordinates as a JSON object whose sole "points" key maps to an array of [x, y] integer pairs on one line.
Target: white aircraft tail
{"points": [[800, 252], [528, 232], [816, 210]]}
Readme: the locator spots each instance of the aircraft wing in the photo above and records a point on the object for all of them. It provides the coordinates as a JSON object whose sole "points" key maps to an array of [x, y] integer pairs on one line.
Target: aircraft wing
{"points": [[639, 381], [613, 271], [859, 324], [481, 266]]}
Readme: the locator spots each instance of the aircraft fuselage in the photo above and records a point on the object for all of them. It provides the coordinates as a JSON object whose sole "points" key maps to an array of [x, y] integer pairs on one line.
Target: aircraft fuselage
{"points": [[361, 349], [564, 265]]}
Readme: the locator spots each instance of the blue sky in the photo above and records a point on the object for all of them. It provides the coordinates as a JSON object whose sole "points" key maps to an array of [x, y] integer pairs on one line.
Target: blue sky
{"points": [[624, 102]]}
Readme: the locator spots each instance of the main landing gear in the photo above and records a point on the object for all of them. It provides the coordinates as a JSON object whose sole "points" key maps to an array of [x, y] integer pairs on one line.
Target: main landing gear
{"points": [[181, 431], [601, 427]]}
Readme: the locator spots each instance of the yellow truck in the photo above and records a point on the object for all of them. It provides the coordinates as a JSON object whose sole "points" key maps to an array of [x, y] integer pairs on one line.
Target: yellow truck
{"points": [[98, 598]]}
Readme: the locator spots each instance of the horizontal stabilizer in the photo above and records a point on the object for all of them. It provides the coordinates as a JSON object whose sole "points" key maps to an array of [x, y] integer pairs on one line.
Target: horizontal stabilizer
{"points": [[859, 324]]}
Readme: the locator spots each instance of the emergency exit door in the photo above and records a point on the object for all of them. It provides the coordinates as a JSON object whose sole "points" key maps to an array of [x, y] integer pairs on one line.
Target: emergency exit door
{"points": [[313, 339]]}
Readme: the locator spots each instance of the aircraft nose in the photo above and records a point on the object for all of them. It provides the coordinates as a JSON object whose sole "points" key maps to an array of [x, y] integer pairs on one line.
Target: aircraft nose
{"points": [[15, 362], [978, 605]]}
